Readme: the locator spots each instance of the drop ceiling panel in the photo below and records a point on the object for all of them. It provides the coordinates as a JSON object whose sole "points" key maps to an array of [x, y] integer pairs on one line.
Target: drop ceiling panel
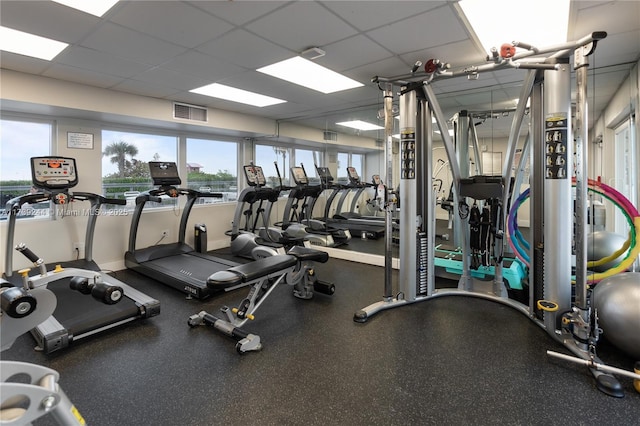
{"points": [[369, 94], [203, 66], [457, 54], [82, 76], [171, 79], [352, 52], [438, 27], [47, 19], [510, 76], [176, 22], [245, 49], [618, 49], [100, 62], [627, 16], [120, 41], [461, 84], [385, 68], [238, 12], [301, 25], [144, 88], [378, 13], [27, 64]]}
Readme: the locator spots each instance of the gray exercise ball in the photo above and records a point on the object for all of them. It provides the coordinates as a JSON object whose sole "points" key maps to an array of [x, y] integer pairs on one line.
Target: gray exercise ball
{"points": [[601, 244], [617, 301]]}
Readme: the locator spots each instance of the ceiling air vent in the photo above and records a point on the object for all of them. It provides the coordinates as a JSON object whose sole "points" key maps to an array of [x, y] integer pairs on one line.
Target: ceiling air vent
{"points": [[189, 112], [330, 136]]}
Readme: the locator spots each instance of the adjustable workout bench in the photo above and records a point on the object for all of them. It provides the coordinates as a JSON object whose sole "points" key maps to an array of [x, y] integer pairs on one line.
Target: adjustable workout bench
{"points": [[263, 275]]}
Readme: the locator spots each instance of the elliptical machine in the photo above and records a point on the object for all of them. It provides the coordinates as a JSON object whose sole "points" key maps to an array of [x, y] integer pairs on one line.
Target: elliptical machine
{"points": [[257, 239], [298, 221]]}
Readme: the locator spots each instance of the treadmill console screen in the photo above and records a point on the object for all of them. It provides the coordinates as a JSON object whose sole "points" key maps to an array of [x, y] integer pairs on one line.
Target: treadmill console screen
{"points": [[164, 173], [324, 174], [255, 176], [299, 176], [53, 172], [353, 175]]}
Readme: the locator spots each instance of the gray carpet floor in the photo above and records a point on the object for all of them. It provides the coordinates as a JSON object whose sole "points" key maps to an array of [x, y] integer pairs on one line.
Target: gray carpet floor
{"points": [[447, 361]]}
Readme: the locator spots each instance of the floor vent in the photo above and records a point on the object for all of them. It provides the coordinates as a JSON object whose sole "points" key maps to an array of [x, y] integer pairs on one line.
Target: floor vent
{"points": [[189, 112]]}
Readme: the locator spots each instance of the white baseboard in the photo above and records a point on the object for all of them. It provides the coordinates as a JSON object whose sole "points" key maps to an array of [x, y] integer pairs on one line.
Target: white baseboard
{"points": [[352, 256]]}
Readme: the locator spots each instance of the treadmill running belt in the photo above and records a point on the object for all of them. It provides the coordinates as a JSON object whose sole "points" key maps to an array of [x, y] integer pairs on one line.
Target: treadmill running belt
{"points": [[190, 266]]}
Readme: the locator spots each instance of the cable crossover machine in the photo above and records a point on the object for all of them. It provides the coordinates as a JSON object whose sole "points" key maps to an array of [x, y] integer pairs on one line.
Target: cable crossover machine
{"points": [[567, 317]]}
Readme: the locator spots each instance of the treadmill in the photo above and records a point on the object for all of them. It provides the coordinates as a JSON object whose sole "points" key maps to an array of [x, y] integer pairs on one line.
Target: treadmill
{"points": [[76, 316], [371, 229], [356, 183], [175, 264]]}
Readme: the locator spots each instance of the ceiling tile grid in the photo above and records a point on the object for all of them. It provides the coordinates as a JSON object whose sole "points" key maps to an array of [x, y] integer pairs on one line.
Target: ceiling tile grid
{"points": [[163, 49]]}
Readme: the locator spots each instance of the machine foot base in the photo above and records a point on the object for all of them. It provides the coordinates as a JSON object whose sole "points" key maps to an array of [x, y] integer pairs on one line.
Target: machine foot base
{"points": [[360, 316], [609, 385]]}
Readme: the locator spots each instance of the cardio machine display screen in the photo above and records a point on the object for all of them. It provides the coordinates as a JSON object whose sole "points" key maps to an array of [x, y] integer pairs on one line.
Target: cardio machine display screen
{"points": [[324, 173], [255, 176], [299, 176], [53, 172], [353, 174], [164, 173]]}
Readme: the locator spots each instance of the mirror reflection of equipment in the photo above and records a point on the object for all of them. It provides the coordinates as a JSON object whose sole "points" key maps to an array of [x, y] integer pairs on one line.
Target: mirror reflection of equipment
{"points": [[550, 303]]}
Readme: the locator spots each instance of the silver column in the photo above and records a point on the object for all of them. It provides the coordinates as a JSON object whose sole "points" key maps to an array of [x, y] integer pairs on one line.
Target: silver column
{"points": [[408, 218], [558, 211], [462, 156], [581, 329], [389, 205]]}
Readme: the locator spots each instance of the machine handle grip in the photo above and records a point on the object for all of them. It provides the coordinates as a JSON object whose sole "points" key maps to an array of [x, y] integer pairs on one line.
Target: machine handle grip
{"points": [[97, 198], [117, 201], [22, 248], [208, 194]]}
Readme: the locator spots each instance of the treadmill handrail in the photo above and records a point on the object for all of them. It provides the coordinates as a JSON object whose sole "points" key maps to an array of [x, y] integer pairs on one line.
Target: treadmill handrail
{"points": [[14, 205], [155, 196]]}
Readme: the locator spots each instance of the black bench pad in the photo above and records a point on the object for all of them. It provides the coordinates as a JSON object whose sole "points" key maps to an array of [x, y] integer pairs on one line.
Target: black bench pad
{"points": [[250, 271], [306, 253]]}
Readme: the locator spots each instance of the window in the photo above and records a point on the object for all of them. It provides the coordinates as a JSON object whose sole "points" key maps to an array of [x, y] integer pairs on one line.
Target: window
{"points": [[492, 163], [267, 156], [212, 166], [346, 159], [309, 159], [125, 172], [19, 141], [343, 163], [358, 163], [625, 173]]}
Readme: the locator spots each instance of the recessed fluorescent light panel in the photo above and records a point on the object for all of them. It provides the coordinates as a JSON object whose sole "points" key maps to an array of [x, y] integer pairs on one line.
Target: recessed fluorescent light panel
{"points": [[93, 7], [537, 22], [360, 125], [228, 93], [305, 73], [29, 44]]}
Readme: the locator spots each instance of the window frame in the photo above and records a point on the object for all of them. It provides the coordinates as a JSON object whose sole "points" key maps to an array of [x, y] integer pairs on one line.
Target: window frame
{"points": [[43, 213]]}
